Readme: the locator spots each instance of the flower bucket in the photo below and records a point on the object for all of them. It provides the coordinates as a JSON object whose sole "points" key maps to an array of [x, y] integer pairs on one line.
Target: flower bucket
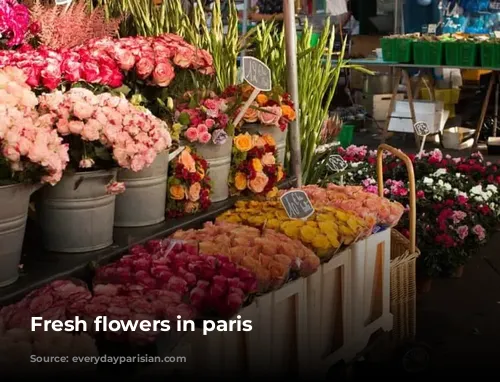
{"points": [[76, 215], [278, 135], [144, 200], [15, 201], [219, 165]]}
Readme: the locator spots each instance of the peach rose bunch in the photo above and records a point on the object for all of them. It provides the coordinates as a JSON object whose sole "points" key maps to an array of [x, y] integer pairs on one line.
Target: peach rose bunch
{"points": [[274, 108], [188, 185], [29, 150], [254, 166]]}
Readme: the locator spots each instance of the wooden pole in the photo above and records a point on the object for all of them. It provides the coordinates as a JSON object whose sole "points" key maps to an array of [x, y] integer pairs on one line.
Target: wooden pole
{"points": [[292, 86]]}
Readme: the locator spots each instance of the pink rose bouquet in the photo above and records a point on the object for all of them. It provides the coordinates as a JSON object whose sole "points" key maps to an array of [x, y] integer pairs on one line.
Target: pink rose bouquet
{"points": [[207, 122], [104, 129], [29, 150]]}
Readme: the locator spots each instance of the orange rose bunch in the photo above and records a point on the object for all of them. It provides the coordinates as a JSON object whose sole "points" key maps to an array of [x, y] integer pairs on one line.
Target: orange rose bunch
{"points": [[188, 185], [254, 166], [270, 255]]}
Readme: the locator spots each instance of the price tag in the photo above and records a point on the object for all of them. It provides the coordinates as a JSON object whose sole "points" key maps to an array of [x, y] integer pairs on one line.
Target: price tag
{"points": [[297, 204], [257, 74], [422, 129], [336, 163], [431, 28], [63, 2]]}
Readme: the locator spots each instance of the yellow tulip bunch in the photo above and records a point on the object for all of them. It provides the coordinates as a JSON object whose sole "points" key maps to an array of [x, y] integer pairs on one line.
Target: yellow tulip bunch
{"points": [[325, 231]]}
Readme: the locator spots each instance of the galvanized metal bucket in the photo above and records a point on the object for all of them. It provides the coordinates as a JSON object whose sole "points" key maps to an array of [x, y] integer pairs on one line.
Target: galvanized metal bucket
{"points": [[219, 162], [14, 201], [144, 200], [76, 215], [278, 135]]}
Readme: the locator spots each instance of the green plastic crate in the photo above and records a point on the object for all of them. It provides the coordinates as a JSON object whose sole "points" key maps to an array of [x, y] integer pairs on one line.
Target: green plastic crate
{"points": [[314, 38], [461, 54], [396, 50], [490, 55], [428, 52], [346, 135]]}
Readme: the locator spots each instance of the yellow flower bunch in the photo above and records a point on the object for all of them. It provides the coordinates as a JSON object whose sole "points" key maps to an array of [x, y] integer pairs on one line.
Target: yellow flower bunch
{"points": [[325, 231]]}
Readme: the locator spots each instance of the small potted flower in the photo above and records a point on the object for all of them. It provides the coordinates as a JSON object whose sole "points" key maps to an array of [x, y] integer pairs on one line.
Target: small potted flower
{"points": [[204, 125], [106, 135], [30, 154], [270, 113]]}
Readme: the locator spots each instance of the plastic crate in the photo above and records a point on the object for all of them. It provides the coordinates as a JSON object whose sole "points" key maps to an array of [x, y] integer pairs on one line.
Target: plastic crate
{"points": [[461, 54], [314, 38], [447, 96], [396, 49], [428, 52], [490, 55]]}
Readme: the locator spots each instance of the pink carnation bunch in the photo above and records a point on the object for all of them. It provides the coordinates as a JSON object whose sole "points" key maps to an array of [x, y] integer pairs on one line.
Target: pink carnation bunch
{"points": [[28, 146], [205, 123], [134, 137], [14, 21], [154, 59]]}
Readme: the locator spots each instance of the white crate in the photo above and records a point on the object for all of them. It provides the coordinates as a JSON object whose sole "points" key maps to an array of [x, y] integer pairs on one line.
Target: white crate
{"points": [[377, 105], [370, 282], [329, 318], [276, 344], [432, 113]]}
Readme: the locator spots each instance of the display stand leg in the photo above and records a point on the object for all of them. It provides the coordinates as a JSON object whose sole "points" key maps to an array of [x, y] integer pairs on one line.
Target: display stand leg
{"points": [[484, 109], [392, 104], [409, 94]]}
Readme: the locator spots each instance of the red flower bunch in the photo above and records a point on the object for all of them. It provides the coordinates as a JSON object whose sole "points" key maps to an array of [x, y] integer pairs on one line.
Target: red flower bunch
{"points": [[154, 59], [254, 165], [50, 68], [189, 186]]}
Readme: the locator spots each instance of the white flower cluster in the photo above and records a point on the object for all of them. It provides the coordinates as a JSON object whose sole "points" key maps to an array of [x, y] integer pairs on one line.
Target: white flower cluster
{"points": [[487, 195]]}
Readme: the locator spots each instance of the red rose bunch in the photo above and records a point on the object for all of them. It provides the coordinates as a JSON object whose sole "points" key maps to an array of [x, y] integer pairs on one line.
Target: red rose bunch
{"points": [[154, 59]]}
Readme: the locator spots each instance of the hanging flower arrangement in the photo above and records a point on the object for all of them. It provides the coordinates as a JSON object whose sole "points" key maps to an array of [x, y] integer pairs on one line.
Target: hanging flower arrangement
{"points": [[255, 169], [188, 185]]}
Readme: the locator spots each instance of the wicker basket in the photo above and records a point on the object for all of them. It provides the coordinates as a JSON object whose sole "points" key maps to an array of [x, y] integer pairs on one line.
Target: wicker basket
{"points": [[404, 254]]}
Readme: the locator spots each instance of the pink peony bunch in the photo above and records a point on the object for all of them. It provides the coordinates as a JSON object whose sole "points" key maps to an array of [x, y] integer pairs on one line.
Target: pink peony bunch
{"points": [[154, 59], [27, 144], [133, 136], [50, 68], [169, 272], [205, 123], [14, 21]]}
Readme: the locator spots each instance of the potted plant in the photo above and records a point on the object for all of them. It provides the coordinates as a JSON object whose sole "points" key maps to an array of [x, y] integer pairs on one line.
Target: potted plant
{"points": [[202, 121], [30, 153], [105, 133]]}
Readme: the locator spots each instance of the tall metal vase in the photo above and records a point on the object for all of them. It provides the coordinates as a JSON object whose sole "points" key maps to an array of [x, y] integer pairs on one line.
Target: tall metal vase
{"points": [[76, 215], [14, 201], [219, 162], [144, 200], [278, 135]]}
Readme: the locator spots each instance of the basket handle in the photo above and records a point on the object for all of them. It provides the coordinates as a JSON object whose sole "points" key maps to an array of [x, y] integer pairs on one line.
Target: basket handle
{"points": [[411, 180]]}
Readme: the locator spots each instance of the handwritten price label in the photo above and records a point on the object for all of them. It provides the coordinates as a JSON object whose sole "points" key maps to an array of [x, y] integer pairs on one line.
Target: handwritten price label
{"points": [[422, 129], [297, 204], [336, 163], [256, 73]]}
